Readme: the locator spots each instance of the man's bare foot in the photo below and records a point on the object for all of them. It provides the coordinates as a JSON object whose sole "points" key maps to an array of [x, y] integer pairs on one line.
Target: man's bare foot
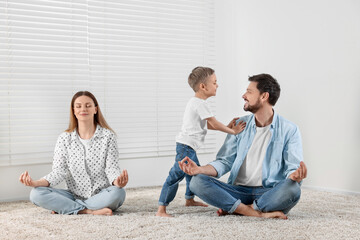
{"points": [[53, 212], [192, 202], [103, 211], [162, 212], [221, 212], [276, 214]]}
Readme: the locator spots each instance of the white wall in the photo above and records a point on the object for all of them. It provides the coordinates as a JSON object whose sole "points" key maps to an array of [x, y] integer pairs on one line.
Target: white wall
{"points": [[313, 49]]}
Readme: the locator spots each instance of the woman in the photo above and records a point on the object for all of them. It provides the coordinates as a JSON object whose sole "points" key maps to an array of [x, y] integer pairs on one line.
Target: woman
{"points": [[86, 157]]}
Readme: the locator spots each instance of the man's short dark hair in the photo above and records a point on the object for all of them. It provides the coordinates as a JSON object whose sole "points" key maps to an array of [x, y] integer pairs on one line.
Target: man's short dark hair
{"points": [[266, 83]]}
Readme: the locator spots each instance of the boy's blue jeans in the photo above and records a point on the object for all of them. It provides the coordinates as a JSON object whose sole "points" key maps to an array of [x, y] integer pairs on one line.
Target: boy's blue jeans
{"points": [[63, 202], [171, 184], [281, 197]]}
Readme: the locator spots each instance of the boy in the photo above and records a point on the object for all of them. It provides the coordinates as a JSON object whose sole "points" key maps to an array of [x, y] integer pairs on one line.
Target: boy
{"points": [[196, 117]]}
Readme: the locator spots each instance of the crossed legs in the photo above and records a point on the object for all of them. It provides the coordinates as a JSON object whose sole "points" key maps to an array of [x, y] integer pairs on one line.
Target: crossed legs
{"points": [[63, 202], [250, 201]]}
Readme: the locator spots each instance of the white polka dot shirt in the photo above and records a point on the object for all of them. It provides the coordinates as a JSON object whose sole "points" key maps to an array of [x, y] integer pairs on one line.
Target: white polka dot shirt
{"points": [[86, 172]]}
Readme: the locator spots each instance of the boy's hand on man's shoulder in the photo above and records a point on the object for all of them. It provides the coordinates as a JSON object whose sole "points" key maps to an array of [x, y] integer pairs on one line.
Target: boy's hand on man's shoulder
{"points": [[232, 122], [238, 128]]}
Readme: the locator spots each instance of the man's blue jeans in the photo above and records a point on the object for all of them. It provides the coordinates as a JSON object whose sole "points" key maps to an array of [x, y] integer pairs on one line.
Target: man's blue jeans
{"points": [[63, 202], [281, 197], [171, 184]]}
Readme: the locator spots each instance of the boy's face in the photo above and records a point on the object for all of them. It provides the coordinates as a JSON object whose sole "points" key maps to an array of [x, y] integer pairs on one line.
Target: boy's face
{"points": [[210, 86]]}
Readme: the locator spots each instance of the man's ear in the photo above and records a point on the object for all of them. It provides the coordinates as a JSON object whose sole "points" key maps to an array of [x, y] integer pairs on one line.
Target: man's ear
{"points": [[265, 96]]}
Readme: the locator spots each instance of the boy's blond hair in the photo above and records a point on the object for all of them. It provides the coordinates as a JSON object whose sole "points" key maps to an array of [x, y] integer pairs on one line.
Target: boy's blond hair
{"points": [[199, 75]]}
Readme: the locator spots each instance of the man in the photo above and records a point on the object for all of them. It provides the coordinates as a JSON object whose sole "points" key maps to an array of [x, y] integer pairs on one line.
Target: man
{"points": [[265, 160]]}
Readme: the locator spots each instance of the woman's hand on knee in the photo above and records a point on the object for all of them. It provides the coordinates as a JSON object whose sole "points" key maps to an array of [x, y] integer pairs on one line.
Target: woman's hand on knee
{"points": [[121, 180]]}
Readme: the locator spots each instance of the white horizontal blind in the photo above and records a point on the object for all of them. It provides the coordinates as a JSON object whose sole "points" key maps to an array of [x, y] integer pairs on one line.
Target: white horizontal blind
{"points": [[135, 57], [43, 58]]}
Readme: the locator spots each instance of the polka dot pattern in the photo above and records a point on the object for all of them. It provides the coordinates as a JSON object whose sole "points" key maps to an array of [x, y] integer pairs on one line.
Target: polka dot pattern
{"points": [[85, 174]]}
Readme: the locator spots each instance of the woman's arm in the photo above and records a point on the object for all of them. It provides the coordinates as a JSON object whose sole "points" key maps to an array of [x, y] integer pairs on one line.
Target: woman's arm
{"points": [[112, 168]]}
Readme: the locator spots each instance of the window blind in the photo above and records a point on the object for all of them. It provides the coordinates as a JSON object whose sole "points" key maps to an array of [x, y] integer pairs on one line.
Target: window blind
{"points": [[134, 56]]}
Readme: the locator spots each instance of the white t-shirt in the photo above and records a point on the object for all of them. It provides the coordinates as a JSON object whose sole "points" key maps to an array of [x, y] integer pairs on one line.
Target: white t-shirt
{"points": [[86, 143], [250, 173], [194, 125]]}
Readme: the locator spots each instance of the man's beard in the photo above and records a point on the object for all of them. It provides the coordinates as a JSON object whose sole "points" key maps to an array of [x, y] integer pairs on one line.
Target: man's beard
{"points": [[253, 108]]}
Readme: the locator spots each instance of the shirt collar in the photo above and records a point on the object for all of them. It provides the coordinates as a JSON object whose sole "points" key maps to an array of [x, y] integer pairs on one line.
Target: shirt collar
{"points": [[273, 123], [98, 133]]}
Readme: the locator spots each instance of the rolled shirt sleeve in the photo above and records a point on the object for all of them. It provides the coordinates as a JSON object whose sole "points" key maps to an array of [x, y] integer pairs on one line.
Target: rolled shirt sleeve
{"points": [[292, 154], [226, 156]]}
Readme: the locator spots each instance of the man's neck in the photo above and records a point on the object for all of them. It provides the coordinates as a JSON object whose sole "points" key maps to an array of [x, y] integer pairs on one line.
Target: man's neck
{"points": [[86, 129], [264, 116]]}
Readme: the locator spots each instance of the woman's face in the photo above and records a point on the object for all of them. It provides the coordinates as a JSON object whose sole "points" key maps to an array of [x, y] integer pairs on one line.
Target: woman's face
{"points": [[84, 108]]}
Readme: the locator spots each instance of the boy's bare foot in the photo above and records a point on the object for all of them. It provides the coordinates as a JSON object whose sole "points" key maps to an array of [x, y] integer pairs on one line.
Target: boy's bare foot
{"points": [[103, 211], [162, 212], [192, 202]]}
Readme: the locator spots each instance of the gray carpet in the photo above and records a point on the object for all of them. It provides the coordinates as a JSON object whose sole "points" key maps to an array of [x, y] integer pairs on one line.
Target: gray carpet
{"points": [[318, 215]]}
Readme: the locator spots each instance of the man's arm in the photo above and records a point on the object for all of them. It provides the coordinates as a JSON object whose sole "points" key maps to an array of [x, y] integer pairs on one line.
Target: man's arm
{"points": [[189, 167], [292, 155]]}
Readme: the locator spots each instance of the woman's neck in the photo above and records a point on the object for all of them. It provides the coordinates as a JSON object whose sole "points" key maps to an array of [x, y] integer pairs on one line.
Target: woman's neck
{"points": [[86, 129]]}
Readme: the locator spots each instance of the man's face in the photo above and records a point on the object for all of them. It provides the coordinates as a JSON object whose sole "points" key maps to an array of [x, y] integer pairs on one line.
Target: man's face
{"points": [[252, 98]]}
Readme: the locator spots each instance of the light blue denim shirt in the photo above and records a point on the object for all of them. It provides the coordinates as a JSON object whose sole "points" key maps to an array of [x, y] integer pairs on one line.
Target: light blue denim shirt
{"points": [[283, 154]]}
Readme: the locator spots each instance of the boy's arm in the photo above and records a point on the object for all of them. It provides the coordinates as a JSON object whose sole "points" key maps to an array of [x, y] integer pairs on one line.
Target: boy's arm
{"points": [[214, 124]]}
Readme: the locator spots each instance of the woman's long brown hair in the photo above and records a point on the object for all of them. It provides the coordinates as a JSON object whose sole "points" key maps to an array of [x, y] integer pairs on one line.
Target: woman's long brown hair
{"points": [[98, 117]]}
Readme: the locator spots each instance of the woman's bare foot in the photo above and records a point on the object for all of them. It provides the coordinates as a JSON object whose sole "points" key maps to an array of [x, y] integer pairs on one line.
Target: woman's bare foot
{"points": [[162, 212], [192, 202], [103, 211]]}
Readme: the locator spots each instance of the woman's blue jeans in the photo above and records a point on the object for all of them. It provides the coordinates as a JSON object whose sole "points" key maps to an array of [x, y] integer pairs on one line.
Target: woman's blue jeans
{"points": [[176, 175], [281, 197], [63, 202]]}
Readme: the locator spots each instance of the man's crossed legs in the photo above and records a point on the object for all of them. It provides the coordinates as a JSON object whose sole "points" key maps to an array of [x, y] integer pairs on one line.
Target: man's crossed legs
{"points": [[267, 202]]}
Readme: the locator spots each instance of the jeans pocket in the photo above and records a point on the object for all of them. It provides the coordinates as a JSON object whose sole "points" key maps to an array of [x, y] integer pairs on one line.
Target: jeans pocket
{"points": [[180, 152]]}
